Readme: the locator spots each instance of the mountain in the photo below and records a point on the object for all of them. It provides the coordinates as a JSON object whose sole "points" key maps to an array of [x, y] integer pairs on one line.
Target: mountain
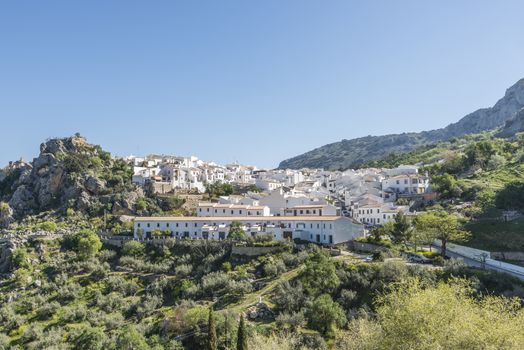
{"points": [[513, 126], [352, 153]]}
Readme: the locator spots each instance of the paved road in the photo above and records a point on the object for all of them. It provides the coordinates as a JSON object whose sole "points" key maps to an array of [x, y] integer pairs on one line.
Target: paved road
{"points": [[490, 264]]}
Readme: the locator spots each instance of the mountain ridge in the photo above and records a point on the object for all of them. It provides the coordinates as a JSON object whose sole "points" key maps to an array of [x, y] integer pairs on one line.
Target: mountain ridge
{"points": [[345, 154]]}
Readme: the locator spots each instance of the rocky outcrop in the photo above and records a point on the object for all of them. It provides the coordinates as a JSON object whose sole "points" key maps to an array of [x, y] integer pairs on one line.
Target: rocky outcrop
{"points": [[67, 174], [6, 215], [513, 126], [352, 153], [6, 250]]}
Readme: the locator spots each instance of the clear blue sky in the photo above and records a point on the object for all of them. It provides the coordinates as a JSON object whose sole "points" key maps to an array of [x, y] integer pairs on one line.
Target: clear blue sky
{"points": [[253, 81]]}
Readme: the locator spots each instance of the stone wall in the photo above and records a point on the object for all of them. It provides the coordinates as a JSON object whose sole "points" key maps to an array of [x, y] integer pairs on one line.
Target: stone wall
{"points": [[254, 251], [516, 256], [367, 247]]}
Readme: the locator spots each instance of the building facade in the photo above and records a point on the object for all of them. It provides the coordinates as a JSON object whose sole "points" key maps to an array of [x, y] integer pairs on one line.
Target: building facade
{"points": [[317, 229]]}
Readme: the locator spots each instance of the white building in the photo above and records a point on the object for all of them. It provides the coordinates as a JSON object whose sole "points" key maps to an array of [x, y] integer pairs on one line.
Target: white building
{"points": [[378, 213], [311, 210], [217, 209], [406, 184], [317, 229]]}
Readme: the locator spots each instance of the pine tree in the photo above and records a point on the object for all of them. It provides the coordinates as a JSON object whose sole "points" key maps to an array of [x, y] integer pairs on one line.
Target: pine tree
{"points": [[212, 332], [241, 335]]}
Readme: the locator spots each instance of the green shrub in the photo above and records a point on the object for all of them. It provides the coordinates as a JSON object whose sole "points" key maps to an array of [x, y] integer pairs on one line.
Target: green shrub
{"points": [[48, 226], [439, 261]]}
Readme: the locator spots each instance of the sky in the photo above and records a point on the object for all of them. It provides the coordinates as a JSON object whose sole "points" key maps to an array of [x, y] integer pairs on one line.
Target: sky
{"points": [[249, 81]]}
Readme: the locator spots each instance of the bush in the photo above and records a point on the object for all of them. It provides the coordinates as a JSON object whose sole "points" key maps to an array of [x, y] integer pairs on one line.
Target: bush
{"points": [[289, 298], [274, 268], [85, 243], [379, 256], [121, 285], [4, 341], [9, 318], [33, 331], [48, 226], [133, 248], [148, 305], [47, 310], [439, 261], [239, 288], [68, 292], [290, 321], [74, 314], [214, 282], [325, 314]]}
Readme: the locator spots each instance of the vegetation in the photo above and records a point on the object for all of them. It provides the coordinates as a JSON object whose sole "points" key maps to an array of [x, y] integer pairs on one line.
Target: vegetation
{"points": [[445, 316], [143, 296]]}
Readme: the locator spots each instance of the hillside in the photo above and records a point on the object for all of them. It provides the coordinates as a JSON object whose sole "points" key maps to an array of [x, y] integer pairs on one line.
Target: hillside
{"points": [[352, 153], [64, 294]]}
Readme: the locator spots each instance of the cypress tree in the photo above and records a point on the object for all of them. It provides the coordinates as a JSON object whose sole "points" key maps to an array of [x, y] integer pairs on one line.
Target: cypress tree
{"points": [[212, 331], [241, 335]]}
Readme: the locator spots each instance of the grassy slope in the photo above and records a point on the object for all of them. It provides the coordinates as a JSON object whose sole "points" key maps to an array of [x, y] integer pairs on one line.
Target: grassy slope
{"points": [[497, 236]]}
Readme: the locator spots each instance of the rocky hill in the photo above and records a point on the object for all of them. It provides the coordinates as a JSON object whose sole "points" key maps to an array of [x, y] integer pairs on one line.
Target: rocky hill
{"points": [[513, 126], [68, 173], [352, 153]]}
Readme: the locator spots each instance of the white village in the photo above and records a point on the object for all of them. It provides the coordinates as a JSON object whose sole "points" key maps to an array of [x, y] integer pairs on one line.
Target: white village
{"points": [[323, 207]]}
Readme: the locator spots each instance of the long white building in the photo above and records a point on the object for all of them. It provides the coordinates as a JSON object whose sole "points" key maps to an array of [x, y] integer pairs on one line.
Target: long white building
{"points": [[316, 229]]}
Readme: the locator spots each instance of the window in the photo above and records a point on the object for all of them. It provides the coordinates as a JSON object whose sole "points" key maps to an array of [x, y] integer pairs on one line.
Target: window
{"points": [[314, 211], [157, 224], [223, 211], [186, 224], [311, 226], [196, 224], [307, 211], [232, 212], [167, 225], [398, 182], [384, 216], [215, 211], [330, 227], [405, 182], [208, 210], [301, 212], [240, 211], [200, 209], [138, 225]]}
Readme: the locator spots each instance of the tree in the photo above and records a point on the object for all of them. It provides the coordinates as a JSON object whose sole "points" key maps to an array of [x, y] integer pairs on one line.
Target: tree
{"points": [[130, 339], [320, 275], [401, 231], [90, 339], [241, 335], [443, 226], [446, 185], [415, 315], [133, 248], [236, 231], [212, 331], [86, 243], [325, 314]]}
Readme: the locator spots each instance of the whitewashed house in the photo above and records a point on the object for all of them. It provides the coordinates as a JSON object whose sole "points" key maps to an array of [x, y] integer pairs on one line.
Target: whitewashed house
{"points": [[318, 229]]}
